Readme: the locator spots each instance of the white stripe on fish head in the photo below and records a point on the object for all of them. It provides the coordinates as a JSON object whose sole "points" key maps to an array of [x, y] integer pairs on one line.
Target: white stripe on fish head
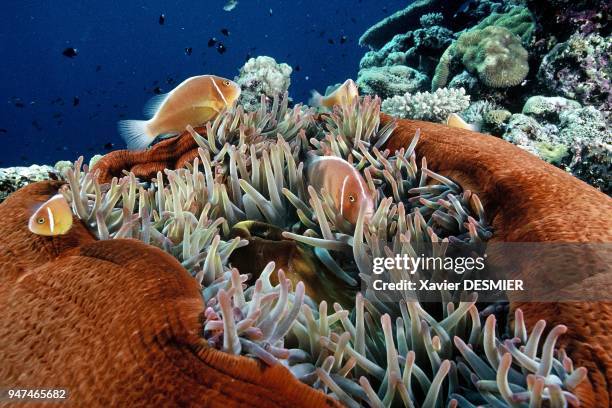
{"points": [[342, 194], [219, 91], [51, 219]]}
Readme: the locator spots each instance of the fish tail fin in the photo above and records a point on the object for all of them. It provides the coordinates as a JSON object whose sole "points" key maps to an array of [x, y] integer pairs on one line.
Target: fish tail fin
{"points": [[315, 99], [136, 133]]}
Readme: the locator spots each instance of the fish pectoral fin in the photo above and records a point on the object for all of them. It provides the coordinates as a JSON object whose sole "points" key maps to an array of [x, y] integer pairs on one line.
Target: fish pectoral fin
{"points": [[206, 105], [153, 104], [205, 113]]}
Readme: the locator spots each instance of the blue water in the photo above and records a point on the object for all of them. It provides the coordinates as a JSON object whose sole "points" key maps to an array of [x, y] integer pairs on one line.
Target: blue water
{"points": [[124, 54]]}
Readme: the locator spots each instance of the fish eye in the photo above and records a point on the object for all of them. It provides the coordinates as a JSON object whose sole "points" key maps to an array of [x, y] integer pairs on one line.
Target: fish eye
{"points": [[226, 83], [40, 220], [351, 199]]}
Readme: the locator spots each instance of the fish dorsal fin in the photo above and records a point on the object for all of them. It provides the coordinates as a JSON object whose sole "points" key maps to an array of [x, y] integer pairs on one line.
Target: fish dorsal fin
{"points": [[153, 104], [457, 121]]}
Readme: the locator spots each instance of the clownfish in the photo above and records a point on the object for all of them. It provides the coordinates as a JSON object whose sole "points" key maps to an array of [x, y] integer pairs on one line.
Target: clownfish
{"points": [[457, 121], [193, 102], [52, 218], [344, 183], [345, 94]]}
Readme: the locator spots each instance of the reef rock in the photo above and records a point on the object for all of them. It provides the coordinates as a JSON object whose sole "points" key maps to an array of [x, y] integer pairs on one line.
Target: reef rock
{"points": [[562, 132], [403, 20], [388, 81], [580, 69], [561, 18], [13, 178], [419, 48], [262, 75], [548, 108]]}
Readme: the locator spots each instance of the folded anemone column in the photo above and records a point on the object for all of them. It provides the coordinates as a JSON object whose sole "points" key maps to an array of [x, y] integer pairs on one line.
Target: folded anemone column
{"points": [[116, 323], [529, 200]]}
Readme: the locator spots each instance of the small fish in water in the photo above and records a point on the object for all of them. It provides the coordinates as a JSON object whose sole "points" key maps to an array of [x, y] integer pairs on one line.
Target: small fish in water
{"points": [[457, 121], [221, 48], [162, 19], [225, 32], [75, 101], [230, 5], [52, 218], [344, 94], [212, 42], [188, 51], [344, 183], [70, 52], [193, 102]]}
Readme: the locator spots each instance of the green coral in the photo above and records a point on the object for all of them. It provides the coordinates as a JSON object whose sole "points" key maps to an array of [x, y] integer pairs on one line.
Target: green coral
{"points": [[518, 21], [442, 72], [495, 54], [499, 59], [552, 153]]}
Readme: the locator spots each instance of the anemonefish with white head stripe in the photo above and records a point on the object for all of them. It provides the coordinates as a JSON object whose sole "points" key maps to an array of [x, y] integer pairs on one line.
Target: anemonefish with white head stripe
{"points": [[193, 102], [54, 217], [344, 183]]}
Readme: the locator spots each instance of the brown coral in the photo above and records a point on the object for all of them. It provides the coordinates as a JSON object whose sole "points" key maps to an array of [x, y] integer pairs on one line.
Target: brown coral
{"points": [[116, 323], [532, 201]]}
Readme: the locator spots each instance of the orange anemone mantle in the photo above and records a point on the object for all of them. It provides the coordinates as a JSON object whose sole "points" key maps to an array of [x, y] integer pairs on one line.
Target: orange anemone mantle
{"points": [[117, 321]]}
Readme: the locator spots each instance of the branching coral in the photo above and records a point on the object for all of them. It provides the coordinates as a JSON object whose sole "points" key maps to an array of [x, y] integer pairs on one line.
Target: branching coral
{"points": [[431, 19], [262, 75], [432, 106]]}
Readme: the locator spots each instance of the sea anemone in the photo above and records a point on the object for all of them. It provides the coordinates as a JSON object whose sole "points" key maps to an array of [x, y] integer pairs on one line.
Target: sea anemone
{"points": [[368, 350]]}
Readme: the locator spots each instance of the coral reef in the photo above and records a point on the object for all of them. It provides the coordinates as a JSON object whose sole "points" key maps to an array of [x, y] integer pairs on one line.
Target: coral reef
{"points": [[561, 18], [494, 53], [431, 19], [13, 178], [433, 106], [580, 69], [518, 20], [262, 75], [388, 81], [548, 108], [419, 48], [564, 133], [505, 53], [381, 33]]}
